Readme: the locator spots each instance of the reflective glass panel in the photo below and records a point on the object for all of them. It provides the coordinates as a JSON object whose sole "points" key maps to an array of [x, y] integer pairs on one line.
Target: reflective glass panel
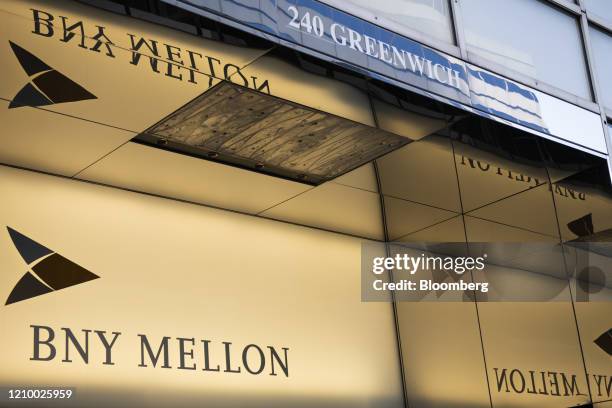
{"points": [[524, 36], [601, 8], [429, 16], [601, 45]]}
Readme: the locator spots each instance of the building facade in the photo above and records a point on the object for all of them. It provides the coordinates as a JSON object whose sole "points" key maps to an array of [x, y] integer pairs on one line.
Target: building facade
{"points": [[191, 189]]}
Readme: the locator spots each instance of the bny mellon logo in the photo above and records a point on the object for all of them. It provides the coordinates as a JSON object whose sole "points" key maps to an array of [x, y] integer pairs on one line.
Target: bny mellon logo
{"points": [[605, 342], [48, 271], [46, 86]]}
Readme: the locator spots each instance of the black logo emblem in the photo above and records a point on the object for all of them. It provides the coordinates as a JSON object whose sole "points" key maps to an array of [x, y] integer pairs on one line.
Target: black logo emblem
{"points": [[605, 341], [48, 271], [46, 86]]}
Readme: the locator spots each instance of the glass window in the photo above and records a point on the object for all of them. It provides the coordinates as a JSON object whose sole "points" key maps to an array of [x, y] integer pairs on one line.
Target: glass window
{"points": [[530, 37], [599, 7], [601, 45], [429, 16]]}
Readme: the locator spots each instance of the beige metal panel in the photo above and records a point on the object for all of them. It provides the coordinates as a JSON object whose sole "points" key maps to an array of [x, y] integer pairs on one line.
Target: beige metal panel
{"points": [[362, 177], [594, 319], [575, 202], [405, 217], [424, 172], [404, 122], [129, 96], [441, 349], [538, 336], [329, 95], [532, 336], [173, 269], [443, 361], [147, 169], [479, 230], [43, 140], [485, 177], [334, 207], [447, 231], [531, 209], [557, 174]]}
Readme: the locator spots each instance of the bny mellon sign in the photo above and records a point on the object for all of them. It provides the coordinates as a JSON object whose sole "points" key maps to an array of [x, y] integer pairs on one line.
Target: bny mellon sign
{"points": [[169, 60], [181, 353]]}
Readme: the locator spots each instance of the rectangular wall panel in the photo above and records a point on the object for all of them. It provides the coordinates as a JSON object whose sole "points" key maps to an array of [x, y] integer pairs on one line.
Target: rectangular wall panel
{"points": [[175, 270]]}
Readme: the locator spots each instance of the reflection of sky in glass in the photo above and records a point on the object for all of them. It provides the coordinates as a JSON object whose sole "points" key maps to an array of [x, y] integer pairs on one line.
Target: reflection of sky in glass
{"points": [[429, 16], [572, 123], [601, 45], [524, 35], [601, 8]]}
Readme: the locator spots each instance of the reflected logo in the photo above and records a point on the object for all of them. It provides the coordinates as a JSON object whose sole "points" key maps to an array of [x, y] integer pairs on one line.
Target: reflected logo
{"points": [[605, 342], [46, 86], [48, 271]]}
